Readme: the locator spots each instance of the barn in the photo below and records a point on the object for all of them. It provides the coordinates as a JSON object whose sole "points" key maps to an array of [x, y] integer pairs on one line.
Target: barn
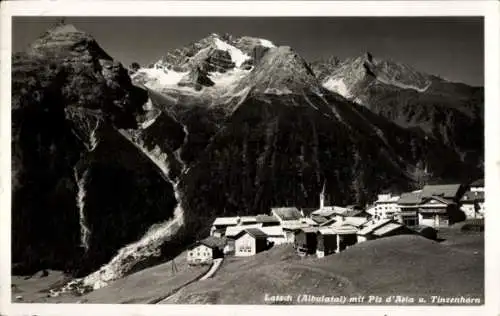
{"points": [[327, 242], [250, 241], [346, 235], [306, 240]]}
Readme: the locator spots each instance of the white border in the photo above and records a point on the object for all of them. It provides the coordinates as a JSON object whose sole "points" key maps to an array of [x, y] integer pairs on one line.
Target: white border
{"points": [[489, 9]]}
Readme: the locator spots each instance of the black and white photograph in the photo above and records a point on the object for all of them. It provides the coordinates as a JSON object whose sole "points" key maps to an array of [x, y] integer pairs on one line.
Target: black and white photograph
{"points": [[247, 160]]}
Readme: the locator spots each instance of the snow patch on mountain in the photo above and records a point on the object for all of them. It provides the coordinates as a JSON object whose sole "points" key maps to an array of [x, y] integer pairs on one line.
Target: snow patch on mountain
{"points": [[278, 91], [237, 56], [338, 86], [156, 78], [266, 43], [228, 78], [402, 85]]}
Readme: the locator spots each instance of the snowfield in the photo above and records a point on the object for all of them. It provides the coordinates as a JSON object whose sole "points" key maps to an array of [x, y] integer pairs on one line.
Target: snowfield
{"points": [[338, 86], [237, 56], [266, 43]]}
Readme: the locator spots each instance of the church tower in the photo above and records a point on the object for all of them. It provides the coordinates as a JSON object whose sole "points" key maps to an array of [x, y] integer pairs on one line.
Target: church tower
{"points": [[323, 200]]}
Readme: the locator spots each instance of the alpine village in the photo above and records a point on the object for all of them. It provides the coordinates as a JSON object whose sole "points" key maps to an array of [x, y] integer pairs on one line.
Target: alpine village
{"points": [[331, 229]]}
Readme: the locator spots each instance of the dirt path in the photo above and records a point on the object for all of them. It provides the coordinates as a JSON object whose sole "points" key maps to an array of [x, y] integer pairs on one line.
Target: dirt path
{"points": [[213, 269], [216, 264]]}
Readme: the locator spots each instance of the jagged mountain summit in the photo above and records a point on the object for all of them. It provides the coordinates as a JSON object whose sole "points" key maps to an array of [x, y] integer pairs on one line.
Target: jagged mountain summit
{"points": [[349, 77], [450, 112], [221, 59], [116, 171]]}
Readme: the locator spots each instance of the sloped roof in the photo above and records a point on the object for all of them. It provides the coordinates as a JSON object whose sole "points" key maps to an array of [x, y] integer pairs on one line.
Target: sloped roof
{"points": [[328, 211], [309, 230], [220, 221], [293, 225], [214, 242], [266, 219], [272, 231], [343, 229], [478, 183], [319, 219], [326, 231], [256, 233], [233, 231], [287, 213], [354, 221], [476, 196], [309, 221], [391, 199], [409, 198], [449, 191], [355, 213], [328, 222], [437, 198], [386, 229], [248, 219], [374, 225]]}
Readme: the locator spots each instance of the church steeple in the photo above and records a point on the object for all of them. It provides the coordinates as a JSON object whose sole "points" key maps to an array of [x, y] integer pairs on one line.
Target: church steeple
{"points": [[322, 196]]}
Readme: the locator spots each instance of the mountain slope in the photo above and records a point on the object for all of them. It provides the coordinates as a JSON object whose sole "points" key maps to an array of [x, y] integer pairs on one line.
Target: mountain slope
{"points": [[374, 268], [80, 189], [452, 113]]}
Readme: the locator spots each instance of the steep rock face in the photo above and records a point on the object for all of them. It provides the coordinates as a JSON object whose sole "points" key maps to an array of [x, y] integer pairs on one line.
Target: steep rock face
{"points": [[281, 71], [451, 113], [80, 189], [196, 79]]}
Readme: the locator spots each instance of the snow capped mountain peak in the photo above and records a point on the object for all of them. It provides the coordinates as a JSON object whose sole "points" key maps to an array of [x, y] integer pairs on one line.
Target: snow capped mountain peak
{"points": [[266, 43], [352, 76]]}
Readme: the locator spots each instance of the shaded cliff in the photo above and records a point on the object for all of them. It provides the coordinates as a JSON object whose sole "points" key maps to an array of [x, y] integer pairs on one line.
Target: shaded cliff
{"points": [[71, 166]]}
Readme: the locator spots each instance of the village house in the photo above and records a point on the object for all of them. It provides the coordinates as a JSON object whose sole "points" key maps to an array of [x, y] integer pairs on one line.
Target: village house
{"points": [[386, 206], [472, 204], [290, 229], [477, 186], [382, 228], [204, 251], [221, 223], [247, 220], [345, 235], [436, 211], [326, 242], [439, 205], [452, 192], [275, 235], [408, 205], [306, 241], [249, 242]]}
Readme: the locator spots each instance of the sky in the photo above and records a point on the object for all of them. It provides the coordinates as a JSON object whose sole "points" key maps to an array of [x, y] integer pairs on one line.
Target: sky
{"points": [[451, 47]]}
